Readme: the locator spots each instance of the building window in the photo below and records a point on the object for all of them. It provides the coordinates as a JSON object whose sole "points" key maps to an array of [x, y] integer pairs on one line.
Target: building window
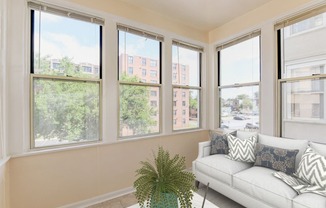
{"points": [[175, 94], [135, 91], [143, 72], [175, 112], [153, 73], [186, 64], [143, 61], [153, 63], [184, 112], [238, 82], [301, 77], [174, 103], [130, 70], [153, 93], [130, 60], [66, 96]]}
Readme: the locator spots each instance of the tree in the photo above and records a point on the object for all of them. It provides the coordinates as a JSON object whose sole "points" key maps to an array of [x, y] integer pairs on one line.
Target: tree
{"points": [[135, 110], [246, 102], [65, 109]]}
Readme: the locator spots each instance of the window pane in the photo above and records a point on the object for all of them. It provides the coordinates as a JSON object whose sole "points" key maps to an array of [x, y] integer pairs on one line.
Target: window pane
{"points": [[303, 109], [140, 54], [240, 63], [65, 46], [139, 110], [239, 108], [304, 44], [185, 108], [185, 66], [65, 112]]}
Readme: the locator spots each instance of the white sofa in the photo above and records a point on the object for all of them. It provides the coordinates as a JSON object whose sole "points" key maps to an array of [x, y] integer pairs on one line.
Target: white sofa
{"points": [[255, 186]]}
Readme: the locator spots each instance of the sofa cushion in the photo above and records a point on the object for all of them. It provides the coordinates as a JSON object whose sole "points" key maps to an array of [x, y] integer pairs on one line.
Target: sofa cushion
{"points": [[260, 183], [220, 168], [309, 200], [242, 149], [319, 148], [245, 134], [299, 185], [275, 158], [301, 145], [312, 168], [219, 143]]}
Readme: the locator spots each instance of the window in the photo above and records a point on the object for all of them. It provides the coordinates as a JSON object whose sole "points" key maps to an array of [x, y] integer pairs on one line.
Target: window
{"points": [[175, 112], [175, 94], [130, 70], [130, 60], [238, 82], [139, 101], [153, 63], [143, 72], [186, 64], [184, 112], [301, 76], [143, 61], [65, 94], [153, 73]]}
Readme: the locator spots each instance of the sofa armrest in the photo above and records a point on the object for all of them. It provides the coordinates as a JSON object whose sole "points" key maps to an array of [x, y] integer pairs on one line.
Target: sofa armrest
{"points": [[204, 149]]}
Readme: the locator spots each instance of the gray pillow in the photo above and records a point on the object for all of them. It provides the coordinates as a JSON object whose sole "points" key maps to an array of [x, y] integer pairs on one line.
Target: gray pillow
{"points": [[219, 143], [275, 158]]}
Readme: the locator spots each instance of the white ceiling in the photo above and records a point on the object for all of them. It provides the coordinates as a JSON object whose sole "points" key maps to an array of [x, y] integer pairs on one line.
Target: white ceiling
{"points": [[204, 15]]}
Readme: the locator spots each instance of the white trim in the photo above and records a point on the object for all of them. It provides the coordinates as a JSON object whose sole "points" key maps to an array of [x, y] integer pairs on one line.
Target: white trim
{"points": [[99, 199], [4, 161]]}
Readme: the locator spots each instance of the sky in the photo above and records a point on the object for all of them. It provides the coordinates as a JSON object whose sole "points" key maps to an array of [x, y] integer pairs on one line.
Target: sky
{"points": [[79, 40], [62, 36]]}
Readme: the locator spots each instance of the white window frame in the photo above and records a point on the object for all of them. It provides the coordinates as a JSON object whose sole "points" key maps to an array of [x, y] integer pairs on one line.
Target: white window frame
{"points": [[233, 42], [154, 36], [200, 51], [65, 12]]}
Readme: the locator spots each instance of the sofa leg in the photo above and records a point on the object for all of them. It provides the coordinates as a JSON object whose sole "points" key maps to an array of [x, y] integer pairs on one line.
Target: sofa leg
{"points": [[197, 184]]}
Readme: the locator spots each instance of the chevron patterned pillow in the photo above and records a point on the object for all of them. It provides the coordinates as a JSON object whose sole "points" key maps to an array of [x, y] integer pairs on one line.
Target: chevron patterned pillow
{"points": [[241, 149], [312, 168]]}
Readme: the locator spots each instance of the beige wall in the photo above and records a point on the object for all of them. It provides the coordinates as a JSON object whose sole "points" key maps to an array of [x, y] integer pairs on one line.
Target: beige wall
{"points": [[4, 186], [257, 17], [145, 16], [56, 179]]}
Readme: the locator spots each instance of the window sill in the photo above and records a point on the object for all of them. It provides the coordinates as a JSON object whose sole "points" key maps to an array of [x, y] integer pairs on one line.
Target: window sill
{"points": [[32, 152], [304, 121]]}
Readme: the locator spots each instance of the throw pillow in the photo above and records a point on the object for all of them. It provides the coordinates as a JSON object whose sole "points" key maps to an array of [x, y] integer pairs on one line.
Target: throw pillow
{"points": [[275, 158], [299, 185], [219, 143], [312, 168], [241, 149]]}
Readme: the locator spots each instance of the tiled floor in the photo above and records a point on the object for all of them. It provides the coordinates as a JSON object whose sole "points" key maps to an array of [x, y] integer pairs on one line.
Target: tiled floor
{"points": [[212, 196]]}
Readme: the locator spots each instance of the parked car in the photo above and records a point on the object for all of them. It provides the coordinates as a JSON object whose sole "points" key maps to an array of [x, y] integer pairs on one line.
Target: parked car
{"points": [[251, 126], [238, 117]]}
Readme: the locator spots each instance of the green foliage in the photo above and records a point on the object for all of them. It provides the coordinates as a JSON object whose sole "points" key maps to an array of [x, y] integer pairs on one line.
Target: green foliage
{"points": [[166, 175], [65, 110], [135, 110]]}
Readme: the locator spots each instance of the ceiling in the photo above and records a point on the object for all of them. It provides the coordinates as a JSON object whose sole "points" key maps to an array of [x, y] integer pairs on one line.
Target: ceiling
{"points": [[204, 15]]}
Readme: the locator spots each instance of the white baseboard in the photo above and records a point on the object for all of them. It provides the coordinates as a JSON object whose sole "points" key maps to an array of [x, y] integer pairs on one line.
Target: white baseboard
{"points": [[99, 199]]}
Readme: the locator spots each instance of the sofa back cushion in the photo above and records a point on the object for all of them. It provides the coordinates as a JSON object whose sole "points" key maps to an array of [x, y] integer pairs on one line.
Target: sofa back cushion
{"points": [[319, 148], [245, 134], [284, 143]]}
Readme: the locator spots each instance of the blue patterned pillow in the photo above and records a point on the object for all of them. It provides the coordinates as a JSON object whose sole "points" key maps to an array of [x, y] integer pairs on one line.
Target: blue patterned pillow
{"points": [[275, 158], [219, 143]]}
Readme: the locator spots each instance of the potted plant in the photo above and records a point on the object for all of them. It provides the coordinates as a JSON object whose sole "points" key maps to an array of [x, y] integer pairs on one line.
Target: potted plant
{"points": [[165, 182]]}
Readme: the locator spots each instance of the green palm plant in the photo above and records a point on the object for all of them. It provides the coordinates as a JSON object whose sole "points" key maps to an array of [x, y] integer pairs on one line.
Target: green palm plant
{"points": [[165, 178]]}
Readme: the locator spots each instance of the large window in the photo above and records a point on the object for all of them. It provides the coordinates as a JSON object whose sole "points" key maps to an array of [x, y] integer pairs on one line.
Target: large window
{"points": [[139, 101], [65, 76], [238, 83], [186, 69], [302, 76]]}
